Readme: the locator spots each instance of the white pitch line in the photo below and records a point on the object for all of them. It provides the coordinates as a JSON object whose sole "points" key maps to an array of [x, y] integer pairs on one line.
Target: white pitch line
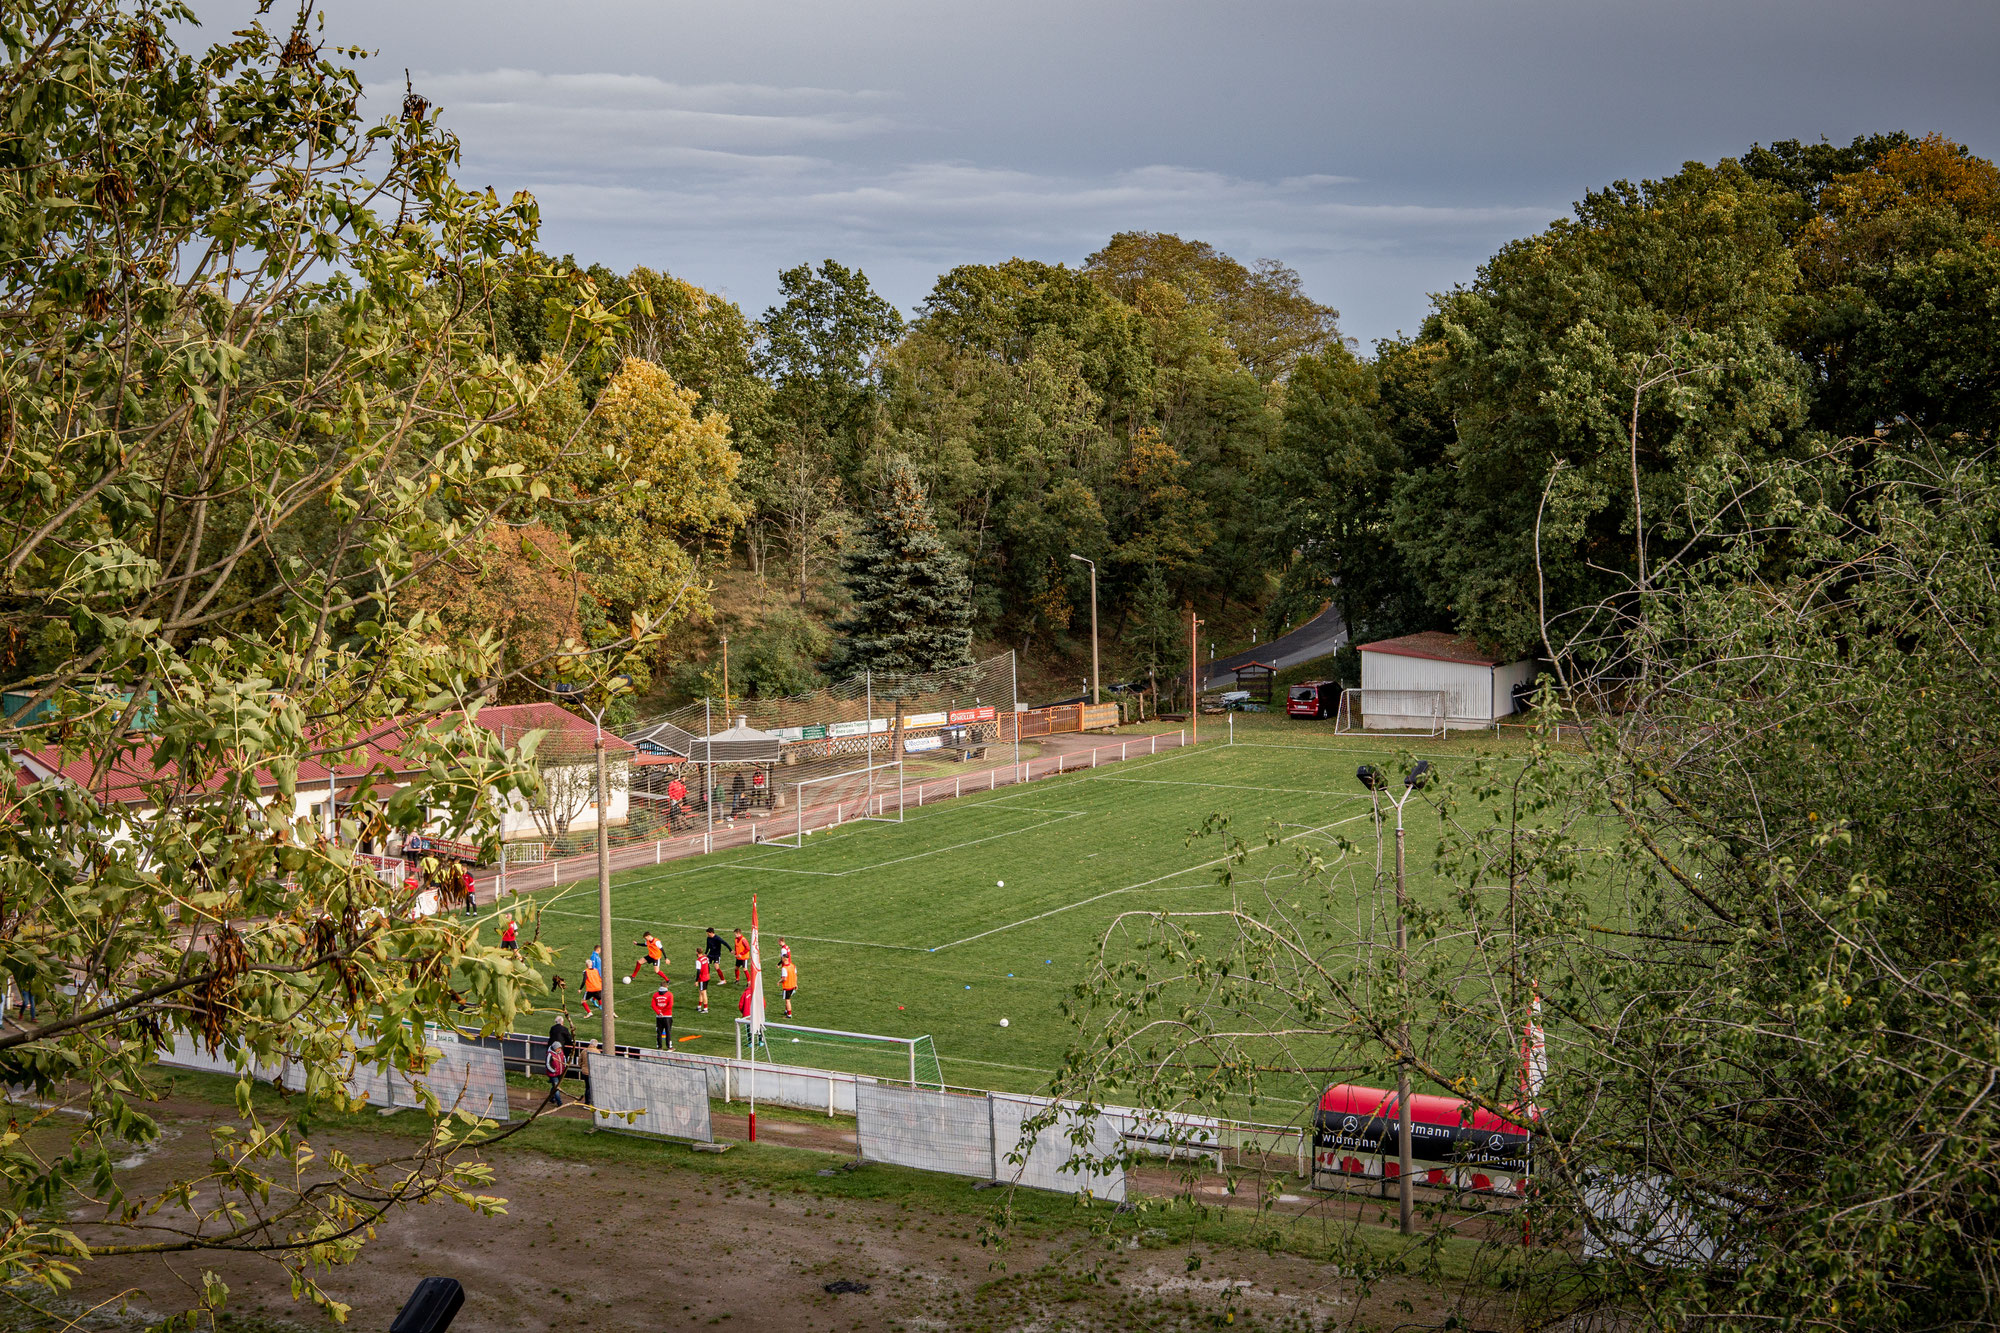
{"points": [[682, 925], [1131, 888], [1235, 786]]}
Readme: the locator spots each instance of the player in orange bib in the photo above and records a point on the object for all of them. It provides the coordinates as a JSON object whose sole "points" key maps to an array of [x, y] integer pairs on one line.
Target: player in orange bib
{"points": [[593, 987], [742, 956], [788, 980], [654, 957]]}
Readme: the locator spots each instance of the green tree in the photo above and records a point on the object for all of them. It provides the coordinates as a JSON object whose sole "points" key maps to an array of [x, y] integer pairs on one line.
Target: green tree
{"points": [[1641, 338], [817, 350], [251, 398], [912, 601]]}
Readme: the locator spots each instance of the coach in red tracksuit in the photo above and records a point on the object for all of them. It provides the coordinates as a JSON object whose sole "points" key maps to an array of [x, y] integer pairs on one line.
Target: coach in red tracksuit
{"points": [[663, 1018]]}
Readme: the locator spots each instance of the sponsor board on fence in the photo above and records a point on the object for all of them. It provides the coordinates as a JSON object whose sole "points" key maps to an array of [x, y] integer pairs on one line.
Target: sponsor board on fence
{"points": [[669, 1098], [984, 713], [919, 744]]}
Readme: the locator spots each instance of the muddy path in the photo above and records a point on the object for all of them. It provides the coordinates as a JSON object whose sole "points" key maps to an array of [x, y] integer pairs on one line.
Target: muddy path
{"points": [[658, 1244]]}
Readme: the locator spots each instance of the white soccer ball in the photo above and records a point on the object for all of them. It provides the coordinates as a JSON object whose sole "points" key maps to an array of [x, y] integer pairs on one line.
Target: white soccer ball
{"points": [[1000, 884], [1003, 1022], [628, 981]]}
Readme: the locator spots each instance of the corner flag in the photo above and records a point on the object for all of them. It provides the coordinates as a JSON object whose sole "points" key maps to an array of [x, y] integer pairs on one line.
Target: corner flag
{"points": [[756, 983]]}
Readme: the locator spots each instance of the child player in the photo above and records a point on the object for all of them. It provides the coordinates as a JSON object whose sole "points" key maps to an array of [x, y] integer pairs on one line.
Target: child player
{"points": [[788, 980], [701, 975], [663, 1019], [655, 957], [742, 956], [593, 985]]}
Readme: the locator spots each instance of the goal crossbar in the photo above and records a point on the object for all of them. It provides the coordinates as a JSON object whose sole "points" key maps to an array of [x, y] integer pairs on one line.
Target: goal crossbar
{"points": [[873, 801], [1410, 711]]}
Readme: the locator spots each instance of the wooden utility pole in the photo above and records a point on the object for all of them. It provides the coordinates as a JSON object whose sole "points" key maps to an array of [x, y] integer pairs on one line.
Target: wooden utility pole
{"points": [[1194, 675], [604, 897]]}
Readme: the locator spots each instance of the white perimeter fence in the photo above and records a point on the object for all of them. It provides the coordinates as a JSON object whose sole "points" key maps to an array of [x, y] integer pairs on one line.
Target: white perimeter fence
{"points": [[548, 874], [669, 1097], [463, 1076], [982, 1136]]}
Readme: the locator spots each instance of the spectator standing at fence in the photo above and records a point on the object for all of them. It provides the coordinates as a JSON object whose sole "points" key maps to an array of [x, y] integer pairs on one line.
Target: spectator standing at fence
{"points": [[701, 974], [742, 956], [663, 1019], [471, 898], [593, 986], [788, 981], [555, 1059]]}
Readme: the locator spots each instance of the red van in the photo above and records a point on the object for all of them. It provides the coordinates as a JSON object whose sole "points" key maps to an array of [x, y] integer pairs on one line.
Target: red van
{"points": [[1313, 698]]}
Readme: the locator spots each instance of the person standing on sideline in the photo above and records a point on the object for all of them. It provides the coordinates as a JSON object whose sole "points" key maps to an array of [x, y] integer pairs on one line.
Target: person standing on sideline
{"points": [[510, 935], [471, 895], [593, 985], [742, 956], [712, 946], [788, 981], [701, 975], [663, 1019]]}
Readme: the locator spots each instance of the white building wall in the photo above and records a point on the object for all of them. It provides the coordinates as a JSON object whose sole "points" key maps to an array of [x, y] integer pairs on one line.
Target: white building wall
{"points": [[1505, 678], [1473, 695]]}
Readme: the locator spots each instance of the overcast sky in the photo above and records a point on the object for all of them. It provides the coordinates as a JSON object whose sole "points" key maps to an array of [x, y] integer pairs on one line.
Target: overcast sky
{"points": [[1382, 149]]}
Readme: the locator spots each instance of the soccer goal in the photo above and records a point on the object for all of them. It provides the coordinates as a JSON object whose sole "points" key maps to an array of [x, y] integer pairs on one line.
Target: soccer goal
{"points": [[1421, 711], [873, 792], [911, 1060]]}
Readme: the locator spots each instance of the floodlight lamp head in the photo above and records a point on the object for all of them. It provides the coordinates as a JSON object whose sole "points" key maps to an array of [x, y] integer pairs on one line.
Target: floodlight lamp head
{"points": [[1419, 775], [1370, 777]]}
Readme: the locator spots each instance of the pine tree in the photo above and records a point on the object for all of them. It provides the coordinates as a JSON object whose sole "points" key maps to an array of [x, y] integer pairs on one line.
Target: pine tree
{"points": [[1158, 629], [912, 598]]}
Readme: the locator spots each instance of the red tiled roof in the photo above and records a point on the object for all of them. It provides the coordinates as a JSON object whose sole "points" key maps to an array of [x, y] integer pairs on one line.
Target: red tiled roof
{"points": [[379, 753], [1437, 646]]}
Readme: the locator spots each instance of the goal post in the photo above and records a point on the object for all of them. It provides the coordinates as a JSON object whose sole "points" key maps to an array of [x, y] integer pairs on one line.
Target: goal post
{"points": [[872, 792], [1417, 711], [911, 1060]]}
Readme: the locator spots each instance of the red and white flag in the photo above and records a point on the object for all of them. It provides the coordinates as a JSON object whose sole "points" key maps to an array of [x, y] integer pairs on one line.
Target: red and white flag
{"points": [[1534, 1053], [756, 980]]}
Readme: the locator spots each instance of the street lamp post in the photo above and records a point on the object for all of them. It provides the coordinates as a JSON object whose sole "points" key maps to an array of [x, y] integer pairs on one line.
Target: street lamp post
{"points": [[1096, 684], [1194, 675], [1374, 780]]}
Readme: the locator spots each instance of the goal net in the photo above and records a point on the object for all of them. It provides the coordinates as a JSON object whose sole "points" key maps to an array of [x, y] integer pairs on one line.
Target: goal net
{"points": [[1421, 711], [908, 1060], [873, 792]]}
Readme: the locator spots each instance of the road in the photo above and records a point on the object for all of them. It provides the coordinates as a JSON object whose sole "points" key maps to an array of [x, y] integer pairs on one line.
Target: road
{"points": [[1323, 634]]}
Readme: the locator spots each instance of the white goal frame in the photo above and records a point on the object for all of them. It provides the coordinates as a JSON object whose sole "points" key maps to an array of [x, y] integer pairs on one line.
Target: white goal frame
{"points": [[873, 804], [910, 1046], [1354, 703]]}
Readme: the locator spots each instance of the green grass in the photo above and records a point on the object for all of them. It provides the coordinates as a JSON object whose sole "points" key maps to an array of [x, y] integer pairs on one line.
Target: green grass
{"points": [[906, 930]]}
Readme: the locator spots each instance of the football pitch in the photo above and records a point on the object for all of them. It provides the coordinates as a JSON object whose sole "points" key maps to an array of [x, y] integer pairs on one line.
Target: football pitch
{"points": [[972, 910]]}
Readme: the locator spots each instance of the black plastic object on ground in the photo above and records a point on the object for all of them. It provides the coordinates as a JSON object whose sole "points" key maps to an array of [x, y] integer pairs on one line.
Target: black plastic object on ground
{"points": [[431, 1307]]}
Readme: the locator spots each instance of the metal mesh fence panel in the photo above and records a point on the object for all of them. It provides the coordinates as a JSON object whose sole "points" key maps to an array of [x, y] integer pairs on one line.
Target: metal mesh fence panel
{"points": [[671, 1098], [463, 1077], [932, 1131], [1092, 1144]]}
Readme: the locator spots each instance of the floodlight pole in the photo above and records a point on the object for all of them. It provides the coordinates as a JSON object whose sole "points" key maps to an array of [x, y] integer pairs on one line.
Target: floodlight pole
{"points": [[1096, 682], [1404, 1204], [605, 967]]}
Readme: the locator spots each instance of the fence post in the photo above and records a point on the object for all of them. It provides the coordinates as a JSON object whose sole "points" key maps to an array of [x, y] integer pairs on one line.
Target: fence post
{"points": [[656, 852], [1121, 748], [1305, 1172], [829, 1096], [954, 788], [729, 1079], [993, 1136]]}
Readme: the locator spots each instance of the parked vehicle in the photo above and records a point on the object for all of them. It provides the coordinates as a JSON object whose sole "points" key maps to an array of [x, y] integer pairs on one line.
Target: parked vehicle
{"points": [[1313, 698]]}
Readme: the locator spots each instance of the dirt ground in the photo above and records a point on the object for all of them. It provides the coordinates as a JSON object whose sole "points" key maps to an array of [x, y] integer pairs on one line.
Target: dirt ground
{"points": [[662, 1245]]}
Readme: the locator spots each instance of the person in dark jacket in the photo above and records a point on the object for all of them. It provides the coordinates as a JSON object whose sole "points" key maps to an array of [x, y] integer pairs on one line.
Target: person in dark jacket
{"points": [[557, 1057], [712, 946]]}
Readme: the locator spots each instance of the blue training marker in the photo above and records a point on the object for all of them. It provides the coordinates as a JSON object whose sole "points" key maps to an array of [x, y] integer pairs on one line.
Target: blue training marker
{"points": [[968, 988]]}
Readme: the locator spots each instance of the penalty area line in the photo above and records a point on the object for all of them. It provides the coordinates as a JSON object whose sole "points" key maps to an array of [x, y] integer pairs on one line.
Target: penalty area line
{"points": [[1143, 884]]}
